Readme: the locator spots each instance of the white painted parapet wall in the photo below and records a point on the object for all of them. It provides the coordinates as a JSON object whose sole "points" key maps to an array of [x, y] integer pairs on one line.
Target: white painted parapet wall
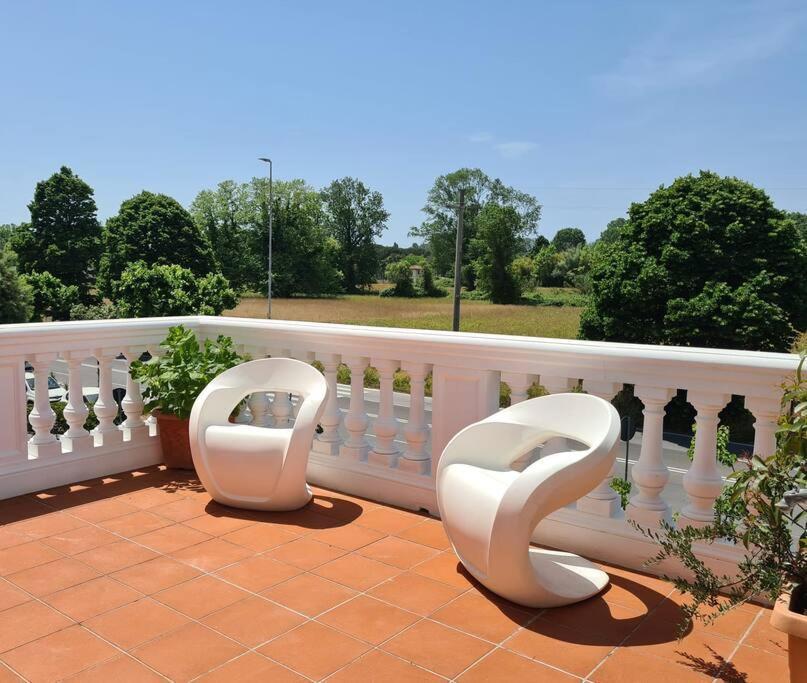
{"points": [[389, 458]]}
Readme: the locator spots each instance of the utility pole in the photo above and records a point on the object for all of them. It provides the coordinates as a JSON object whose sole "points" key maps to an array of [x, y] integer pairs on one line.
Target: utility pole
{"points": [[458, 262], [269, 283]]}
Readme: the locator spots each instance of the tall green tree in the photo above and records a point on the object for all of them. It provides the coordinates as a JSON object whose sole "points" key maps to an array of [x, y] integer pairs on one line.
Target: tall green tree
{"points": [[439, 228], [612, 230], [15, 295], [499, 235], [567, 238], [155, 229], [355, 216], [708, 261], [64, 235]]}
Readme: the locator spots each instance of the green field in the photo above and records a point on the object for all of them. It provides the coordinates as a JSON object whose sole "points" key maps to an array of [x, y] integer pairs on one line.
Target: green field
{"points": [[560, 322]]}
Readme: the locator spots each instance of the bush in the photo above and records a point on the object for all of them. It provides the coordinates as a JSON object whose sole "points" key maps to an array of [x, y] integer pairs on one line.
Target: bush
{"points": [[102, 311], [51, 297], [15, 294], [399, 273], [155, 291]]}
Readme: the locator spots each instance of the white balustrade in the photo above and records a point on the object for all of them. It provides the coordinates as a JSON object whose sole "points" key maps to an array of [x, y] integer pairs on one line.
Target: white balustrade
{"points": [[155, 351], [385, 452], [328, 441], [356, 422], [133, 427], [260, 409], [647, 508], [106, 408], [703, 482], [76, 439], [43, 443], [415, 458], [519, 383], [603, 500], [766, 414]]}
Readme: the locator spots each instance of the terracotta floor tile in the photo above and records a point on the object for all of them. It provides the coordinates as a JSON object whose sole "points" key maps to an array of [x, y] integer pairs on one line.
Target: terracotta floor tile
{"points": [[357, 572], [92, 597], [389, 520], [598, 617], [314, 650], [59, 655], [25, 556], [415, 593], [53, 576], [114, 556], [10, 538], [260, 537], [171, 538], [437, 648], [27, 622], [135, 523], [149, 497], [211, 555], [733, 624], [200, 596], [502, 665], [483, 618], [123, 669], [218, 525], [155, 575], [763, 636], [21, 508], [136, 623], [10, 595], [251, 668], [300, 522], [47, 525], [382, 667], [368, 619], [560, 647], [256, 574], [181, 510], [634, 595], [446, 568], [428, 533], [309, 594], [80, 539], [188, 652], [661, 640], [8, 676], [306, 553], [751, 665], [348, 537], [253, 621], [102, 510], [627, 666], [340, 505], [398, 552]]}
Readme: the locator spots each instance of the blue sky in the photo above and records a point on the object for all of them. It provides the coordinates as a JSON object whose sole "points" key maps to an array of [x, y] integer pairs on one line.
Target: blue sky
{"points": [[586, 105]]}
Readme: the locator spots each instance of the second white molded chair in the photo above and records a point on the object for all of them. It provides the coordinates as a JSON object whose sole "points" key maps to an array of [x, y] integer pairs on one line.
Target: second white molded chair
{"points": [[256, 467], [490, 510]]}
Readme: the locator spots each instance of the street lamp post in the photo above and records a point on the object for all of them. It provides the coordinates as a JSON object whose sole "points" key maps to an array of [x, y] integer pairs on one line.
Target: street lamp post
{"points": [[271, 211]]}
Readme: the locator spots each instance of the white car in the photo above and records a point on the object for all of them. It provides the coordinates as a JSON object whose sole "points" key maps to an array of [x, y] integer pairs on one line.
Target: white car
{"points": [[56, 392], [90, 394]]}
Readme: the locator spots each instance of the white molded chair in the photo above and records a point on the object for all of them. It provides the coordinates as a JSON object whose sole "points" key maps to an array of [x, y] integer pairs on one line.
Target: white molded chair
{"points": [[490, 510], [255, 467]]}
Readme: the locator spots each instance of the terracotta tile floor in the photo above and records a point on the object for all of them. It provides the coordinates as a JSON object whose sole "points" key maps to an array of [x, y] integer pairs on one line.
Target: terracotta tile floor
{"points": [[141, 577]]}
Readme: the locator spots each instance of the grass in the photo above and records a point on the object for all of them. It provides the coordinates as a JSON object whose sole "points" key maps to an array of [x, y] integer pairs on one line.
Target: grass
{"points": [[427, 314]]}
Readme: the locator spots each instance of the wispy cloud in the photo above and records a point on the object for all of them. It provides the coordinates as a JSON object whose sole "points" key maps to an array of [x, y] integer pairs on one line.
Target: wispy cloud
{"points": [[515, 149], [480, 137], [688, 55]]}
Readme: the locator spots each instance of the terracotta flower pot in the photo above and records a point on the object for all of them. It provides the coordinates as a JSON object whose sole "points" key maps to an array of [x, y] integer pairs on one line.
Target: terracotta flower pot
{"points": [[788, 617], [174, 440]]}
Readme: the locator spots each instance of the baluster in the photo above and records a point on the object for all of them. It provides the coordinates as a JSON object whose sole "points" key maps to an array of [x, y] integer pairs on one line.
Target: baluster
{"points": [[556, 385], [244, 416], [133, 427], [385, 451], [356, 421], [415, 458], [650, 474], [766, 415], [106, 409], [603, 500], [151, 421], [281, 409], [519, 384], [259, 408], [76, 439], [42, 444], [703, 482], [328, 442]]}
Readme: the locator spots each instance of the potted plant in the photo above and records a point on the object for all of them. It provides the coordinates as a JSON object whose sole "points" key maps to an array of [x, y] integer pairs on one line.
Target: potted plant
{"points": [[764, 508], [171, 382]]}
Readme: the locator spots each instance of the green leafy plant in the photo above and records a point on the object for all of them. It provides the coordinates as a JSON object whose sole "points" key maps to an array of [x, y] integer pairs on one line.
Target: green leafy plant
{"points": [[173, 380], [764, 507], [623, 488]]}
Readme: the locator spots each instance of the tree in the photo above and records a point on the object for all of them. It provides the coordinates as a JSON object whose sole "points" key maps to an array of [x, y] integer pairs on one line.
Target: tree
{"points": [[495, 245], [64, 236], [566, 238], [800, 219], [544, 265], [354, 216], [52, 298], [145, 291], [15, 296], [707, 261], [157, 230], [439, 228], [612, 230]]}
